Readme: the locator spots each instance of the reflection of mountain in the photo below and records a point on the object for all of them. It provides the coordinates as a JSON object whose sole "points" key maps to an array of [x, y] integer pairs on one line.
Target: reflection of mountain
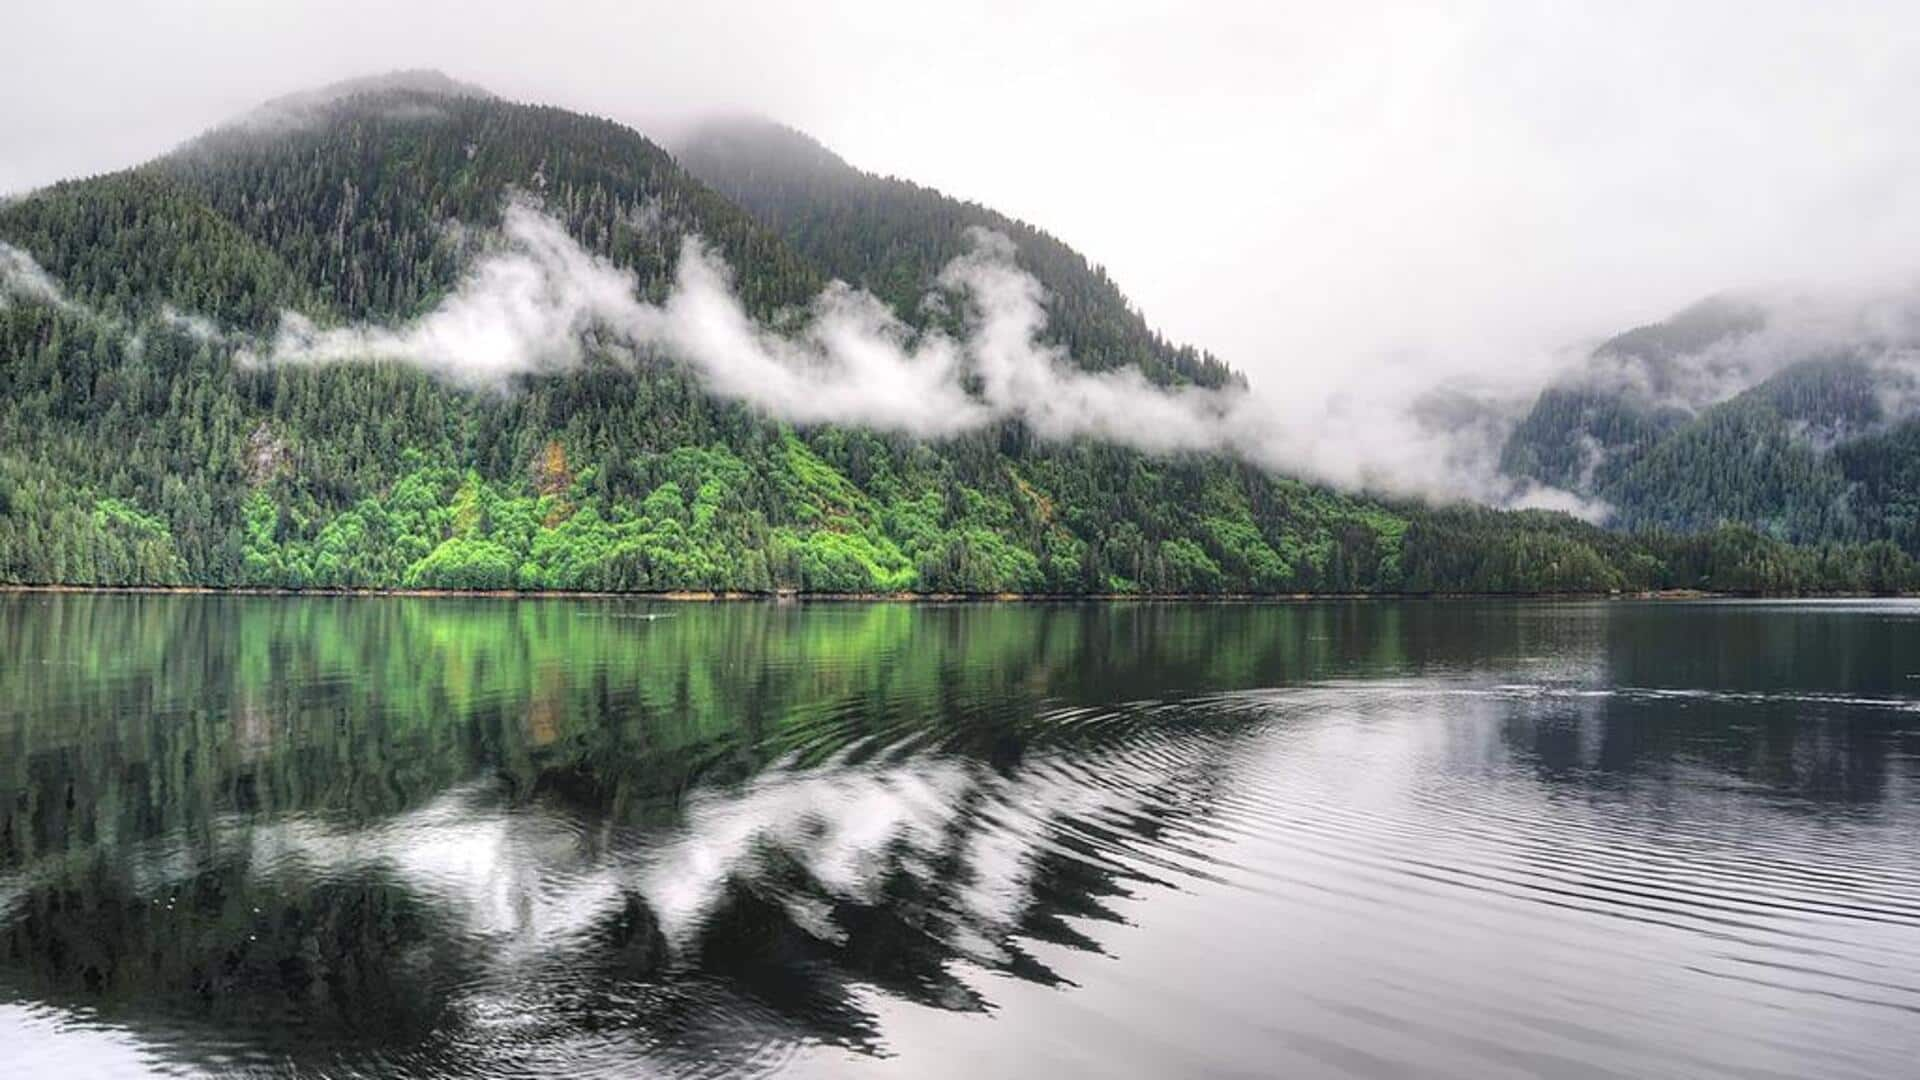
{"points": [[422, 836], [1815, 709], [263, 816], [772, 900]]}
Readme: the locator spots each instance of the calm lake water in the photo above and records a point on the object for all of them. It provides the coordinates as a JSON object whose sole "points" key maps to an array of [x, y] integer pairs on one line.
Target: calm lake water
{"points": [[543, 837]]}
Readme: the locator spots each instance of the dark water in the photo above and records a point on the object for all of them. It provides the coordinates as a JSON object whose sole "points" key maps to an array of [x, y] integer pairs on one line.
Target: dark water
{"points": [[449, 837]]}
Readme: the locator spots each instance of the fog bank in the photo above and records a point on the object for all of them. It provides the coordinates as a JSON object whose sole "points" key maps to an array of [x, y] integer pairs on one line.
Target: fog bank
{"points": [[536, 301]]}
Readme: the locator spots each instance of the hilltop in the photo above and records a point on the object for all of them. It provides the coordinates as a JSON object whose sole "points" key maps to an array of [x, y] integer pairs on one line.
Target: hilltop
{"points": [[150, 437]]}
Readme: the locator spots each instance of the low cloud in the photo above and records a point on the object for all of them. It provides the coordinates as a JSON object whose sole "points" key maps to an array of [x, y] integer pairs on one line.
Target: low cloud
{"points": [[309, 108], [22, 278], [535, 302], [538, 302], [1731, 343]]}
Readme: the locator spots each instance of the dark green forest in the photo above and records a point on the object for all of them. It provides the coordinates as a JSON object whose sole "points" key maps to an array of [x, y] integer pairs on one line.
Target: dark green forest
{"points": [[1808, 454], [140, 446], [891, 236]]}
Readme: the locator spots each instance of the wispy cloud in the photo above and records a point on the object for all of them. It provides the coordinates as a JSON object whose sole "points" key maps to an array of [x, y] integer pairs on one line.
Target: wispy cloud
{"points": [[21, 277], [536, 301]]}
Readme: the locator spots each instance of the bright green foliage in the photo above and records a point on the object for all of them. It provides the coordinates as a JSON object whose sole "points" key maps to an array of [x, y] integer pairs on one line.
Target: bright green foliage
{"points": [[140, 448]]}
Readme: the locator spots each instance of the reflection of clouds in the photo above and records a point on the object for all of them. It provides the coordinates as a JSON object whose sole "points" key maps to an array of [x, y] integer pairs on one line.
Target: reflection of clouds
{"points": [[849, 828], [531, 883], [522, 877], [963, 832], [43, 1042], [881, 871], [1546, 847]]}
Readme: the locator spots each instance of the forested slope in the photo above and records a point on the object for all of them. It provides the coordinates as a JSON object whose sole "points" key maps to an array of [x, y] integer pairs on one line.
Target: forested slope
{"points": [[140, 443], [892, 236], [1701, 421]]}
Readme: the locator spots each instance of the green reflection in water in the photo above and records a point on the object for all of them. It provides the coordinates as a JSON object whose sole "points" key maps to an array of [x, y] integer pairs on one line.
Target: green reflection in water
{"points": [[481, 835]]}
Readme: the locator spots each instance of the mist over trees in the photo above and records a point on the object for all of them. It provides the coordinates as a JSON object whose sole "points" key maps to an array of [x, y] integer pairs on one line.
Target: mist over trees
{"points": [[139, 444], [1731, 413]]}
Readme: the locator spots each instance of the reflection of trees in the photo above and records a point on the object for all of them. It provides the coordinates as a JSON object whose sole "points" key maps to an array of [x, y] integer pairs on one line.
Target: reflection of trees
{"points": [[227, 812], [326, 964], [1815, 749], [130, 716], [465, 828], [776, 898], [1810, 703]]}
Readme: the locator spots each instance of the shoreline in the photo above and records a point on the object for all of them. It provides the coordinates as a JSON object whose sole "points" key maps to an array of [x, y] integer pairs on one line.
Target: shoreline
{"points": [[689, 596]]}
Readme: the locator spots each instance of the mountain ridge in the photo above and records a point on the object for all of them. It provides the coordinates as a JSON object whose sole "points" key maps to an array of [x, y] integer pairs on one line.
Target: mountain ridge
{"points": [[142, 445], [807, 193], [1728, 412]]}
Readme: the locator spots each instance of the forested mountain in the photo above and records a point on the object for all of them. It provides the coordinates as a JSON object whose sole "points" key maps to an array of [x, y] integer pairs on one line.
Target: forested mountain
{"points": [[143, 442], [1583, 431], [892, 236], [1717, 416]]}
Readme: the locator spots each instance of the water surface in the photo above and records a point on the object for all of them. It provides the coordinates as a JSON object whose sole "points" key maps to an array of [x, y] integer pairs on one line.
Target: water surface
{"points": [[359, 836]]}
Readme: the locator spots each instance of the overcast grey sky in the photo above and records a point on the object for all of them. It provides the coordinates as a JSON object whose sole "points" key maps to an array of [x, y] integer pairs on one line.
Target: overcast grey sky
{"points": [[1311, 190]]}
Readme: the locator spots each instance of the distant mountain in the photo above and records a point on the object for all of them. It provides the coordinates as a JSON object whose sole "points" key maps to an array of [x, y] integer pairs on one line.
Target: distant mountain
{"points": [[1636, 388], [143, 441], [1732, 412]]}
